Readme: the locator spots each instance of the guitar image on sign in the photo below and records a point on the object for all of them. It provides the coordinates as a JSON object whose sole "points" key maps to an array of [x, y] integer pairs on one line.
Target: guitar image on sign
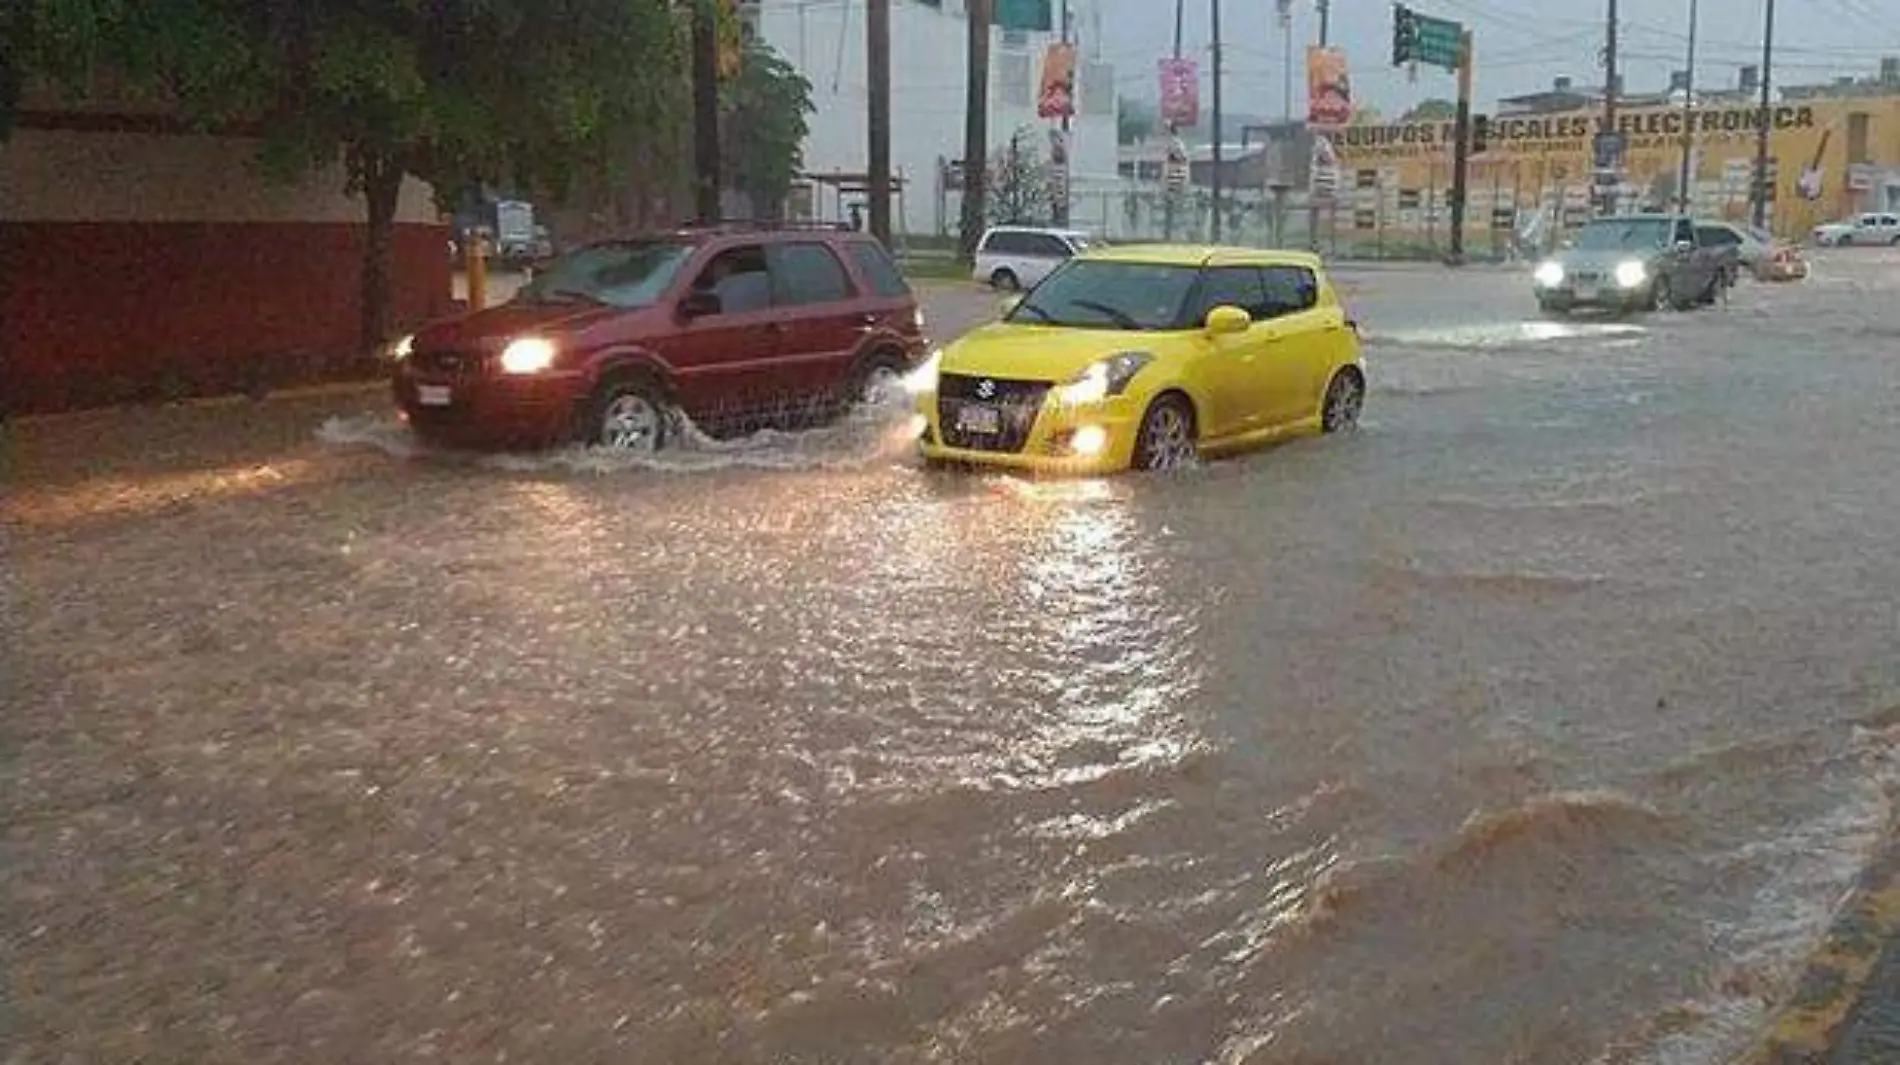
{"points": [[1809, 184]]}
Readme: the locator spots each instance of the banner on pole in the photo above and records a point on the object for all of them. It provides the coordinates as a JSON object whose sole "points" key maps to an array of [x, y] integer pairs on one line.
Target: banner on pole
{"points": [[1056, 97], [1180, 92], [1328, 88]]}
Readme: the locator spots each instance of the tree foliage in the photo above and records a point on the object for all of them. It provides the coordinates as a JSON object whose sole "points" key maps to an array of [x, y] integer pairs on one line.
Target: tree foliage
{"points": [[1436, 109], [764, 118], [1135, 121], [1021, 185], [452, 91]]}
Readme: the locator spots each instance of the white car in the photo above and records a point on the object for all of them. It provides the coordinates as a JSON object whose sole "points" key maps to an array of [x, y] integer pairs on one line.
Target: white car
{"points": [[1870, 228], [1012, 258]]}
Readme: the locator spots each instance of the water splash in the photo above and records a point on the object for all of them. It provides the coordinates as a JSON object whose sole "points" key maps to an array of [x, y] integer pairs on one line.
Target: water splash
{"points": [[869, 435]]}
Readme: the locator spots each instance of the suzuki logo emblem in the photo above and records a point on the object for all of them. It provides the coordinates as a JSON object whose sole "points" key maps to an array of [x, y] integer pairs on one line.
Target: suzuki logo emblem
{"points": [[986, 390]]}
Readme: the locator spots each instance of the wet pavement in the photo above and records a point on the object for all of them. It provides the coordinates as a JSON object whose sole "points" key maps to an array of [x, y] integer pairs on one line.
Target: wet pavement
{"points": [[1544, 719]]}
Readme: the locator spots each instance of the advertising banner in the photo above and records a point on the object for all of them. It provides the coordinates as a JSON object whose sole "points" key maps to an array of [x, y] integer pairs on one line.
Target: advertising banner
{"points": [[1056, 97], [1328, 89], [1180, 92]]}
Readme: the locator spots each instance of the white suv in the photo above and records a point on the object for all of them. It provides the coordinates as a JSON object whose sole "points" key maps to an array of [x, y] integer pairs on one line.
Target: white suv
{"points": [[1019, 257], [1878, 228]]}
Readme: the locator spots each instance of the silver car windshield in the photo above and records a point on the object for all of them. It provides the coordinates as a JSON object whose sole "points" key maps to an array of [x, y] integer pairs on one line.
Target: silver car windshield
{"points": [[1623, 234]]}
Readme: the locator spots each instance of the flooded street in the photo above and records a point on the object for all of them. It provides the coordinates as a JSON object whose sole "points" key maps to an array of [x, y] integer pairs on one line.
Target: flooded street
{"points": [[1543, 720]]}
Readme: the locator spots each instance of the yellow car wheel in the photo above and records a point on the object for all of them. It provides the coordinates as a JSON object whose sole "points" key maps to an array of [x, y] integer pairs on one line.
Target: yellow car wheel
{"points": [[1167, 437], [1345, 398]]}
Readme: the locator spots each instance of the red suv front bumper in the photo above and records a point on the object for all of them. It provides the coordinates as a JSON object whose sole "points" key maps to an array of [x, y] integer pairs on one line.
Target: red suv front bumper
{"points": [[478, 404]]}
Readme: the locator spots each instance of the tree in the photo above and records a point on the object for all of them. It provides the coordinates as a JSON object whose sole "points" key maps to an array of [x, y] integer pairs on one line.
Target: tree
{"points": [[1021, 185], [762, 127], [1436, 109], [1135, 121], [453, 92], [976, 137]]}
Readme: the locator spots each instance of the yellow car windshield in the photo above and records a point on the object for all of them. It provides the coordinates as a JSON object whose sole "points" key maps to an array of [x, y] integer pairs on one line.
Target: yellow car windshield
{"points": [[1104, 294]]}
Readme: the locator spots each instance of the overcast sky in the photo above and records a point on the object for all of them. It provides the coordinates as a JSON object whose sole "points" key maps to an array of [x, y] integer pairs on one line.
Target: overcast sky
{"points": [[1521, 44]]}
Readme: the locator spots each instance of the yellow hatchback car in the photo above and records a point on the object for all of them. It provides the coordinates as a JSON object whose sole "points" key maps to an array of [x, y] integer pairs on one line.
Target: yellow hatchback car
{"points": [[1146, 357]]}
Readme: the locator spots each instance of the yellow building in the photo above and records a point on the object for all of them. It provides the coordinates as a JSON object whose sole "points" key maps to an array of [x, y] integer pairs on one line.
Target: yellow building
{"points": [[1394, 177]]}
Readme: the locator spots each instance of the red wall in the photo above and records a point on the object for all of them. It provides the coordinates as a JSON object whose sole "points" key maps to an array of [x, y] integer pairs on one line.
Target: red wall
{"points": [[94, 313]]}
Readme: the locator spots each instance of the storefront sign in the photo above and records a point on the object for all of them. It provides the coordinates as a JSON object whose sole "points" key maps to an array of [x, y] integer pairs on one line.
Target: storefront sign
{"points": [[1566, 133]]}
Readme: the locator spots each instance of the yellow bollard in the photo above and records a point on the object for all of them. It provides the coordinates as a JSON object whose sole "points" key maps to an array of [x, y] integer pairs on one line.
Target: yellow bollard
{"points": [[476, 253]]}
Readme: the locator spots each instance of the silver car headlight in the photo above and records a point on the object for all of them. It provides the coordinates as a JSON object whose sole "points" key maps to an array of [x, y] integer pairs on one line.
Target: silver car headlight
{"points": [[1550, 273]]}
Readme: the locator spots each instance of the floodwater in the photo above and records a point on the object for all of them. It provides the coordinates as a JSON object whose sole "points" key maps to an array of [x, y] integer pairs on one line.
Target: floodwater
{"points": [[1543, 720]]}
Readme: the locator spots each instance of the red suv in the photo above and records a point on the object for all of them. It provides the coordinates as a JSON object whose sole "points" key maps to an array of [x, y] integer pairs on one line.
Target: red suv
{"points": [[735, 325]]}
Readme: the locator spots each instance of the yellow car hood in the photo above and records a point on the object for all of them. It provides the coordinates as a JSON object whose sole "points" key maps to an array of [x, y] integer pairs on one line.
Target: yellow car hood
{"points": [[1042, 353]]}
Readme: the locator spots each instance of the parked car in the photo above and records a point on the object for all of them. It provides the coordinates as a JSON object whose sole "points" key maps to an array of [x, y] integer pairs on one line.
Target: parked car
{"points": [[1875, 227], [735, 326], [1146, 357], [1784, 263], [1011, 258], [1631, 262]]}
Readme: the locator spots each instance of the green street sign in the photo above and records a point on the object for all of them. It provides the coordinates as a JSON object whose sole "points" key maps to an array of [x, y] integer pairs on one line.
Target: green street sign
{"points": [[1441, 42], [1420, 38]]}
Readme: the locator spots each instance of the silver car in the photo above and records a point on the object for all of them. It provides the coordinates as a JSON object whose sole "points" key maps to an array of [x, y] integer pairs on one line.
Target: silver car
{"points": [[1631, 263]]}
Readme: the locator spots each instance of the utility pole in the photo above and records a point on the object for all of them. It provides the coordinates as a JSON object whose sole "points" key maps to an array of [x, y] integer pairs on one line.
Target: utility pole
{"points": [[976, 129], [1312, 203], [705, 111], [1688, 120], [1061, 205], [1461, 153], [1606, 198], [877, 33], [1214, 179], [1167, 193], [1762, 119]]}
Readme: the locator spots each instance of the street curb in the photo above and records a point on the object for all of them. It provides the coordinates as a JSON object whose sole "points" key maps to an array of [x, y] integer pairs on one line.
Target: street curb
{"points": [[333, 389], [1839, 972]]}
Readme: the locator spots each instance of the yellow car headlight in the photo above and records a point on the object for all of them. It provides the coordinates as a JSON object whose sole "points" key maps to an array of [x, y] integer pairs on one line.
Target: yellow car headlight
{"points": [[924, 378], [528, 355], [1104, 378]]}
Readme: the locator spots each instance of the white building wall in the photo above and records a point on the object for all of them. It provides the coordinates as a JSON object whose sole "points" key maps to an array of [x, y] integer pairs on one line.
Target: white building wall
{"points": [[825, 40], [53, 175]]}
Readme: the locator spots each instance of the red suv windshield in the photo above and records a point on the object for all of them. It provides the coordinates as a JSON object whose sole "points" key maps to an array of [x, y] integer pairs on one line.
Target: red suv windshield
{"points": [[621, 274]]}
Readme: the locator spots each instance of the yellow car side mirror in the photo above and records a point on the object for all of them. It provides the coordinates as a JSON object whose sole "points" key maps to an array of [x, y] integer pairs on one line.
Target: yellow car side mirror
{"points": [[1224, 321]]}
